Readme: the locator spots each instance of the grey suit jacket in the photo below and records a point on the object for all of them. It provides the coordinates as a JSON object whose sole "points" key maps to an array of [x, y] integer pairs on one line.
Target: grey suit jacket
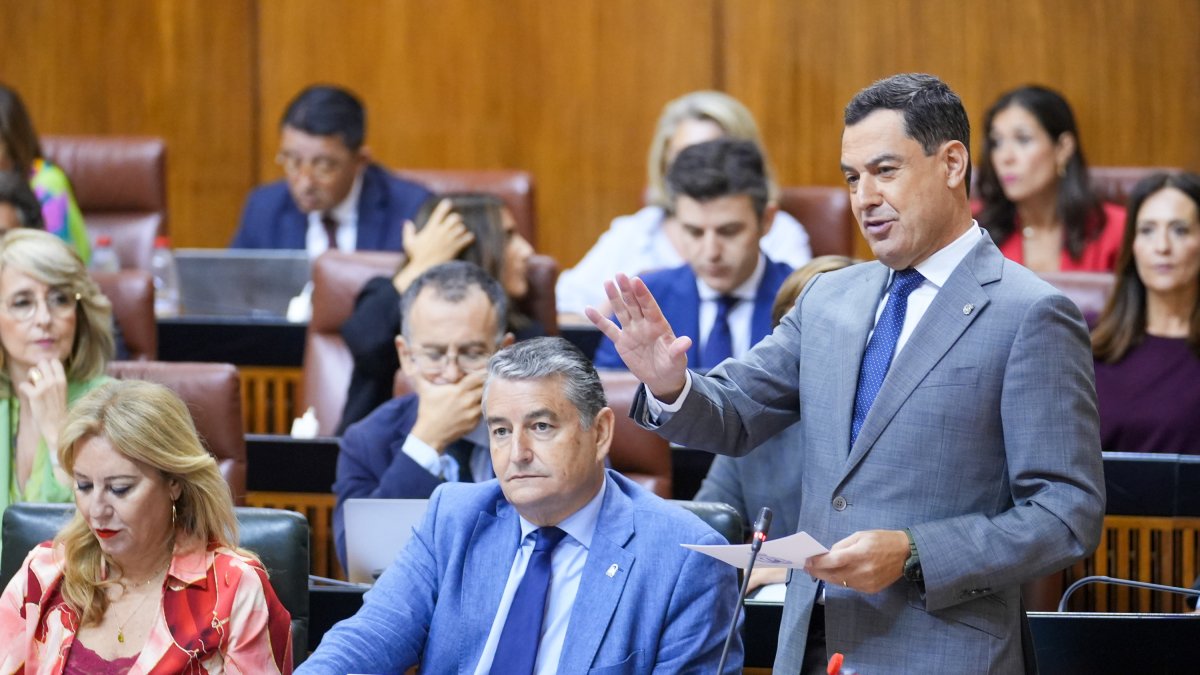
{"points": [[983, 440]]}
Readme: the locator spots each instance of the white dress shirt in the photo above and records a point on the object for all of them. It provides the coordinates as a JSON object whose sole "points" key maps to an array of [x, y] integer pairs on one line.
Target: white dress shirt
{"points": [[316, 240], [444, 465], [566, 569], [740, 317]]}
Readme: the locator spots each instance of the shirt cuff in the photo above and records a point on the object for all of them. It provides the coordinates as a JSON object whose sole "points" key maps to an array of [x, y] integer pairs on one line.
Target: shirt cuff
{"points": [[422, 453], [661, 412]]}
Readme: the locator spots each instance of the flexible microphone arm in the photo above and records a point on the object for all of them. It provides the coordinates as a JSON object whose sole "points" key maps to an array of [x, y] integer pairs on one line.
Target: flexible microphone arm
{"points": [[1062, 604], [760, 535]]}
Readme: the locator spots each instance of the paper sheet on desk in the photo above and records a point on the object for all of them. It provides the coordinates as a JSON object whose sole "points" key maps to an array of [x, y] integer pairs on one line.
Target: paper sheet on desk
{"points": [[791, 551]]}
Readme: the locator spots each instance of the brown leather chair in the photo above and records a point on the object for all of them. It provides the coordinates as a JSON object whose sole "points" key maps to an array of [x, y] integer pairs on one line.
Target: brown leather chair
{"points": [[1089, 290], [825, 214], [640, 455], [1114, 183], [212, 392], [120, 184], [131, 293], [338, 277], [513, 186]]}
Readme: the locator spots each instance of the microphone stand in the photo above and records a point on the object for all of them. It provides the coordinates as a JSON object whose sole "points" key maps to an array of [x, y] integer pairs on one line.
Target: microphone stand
{"points": [[1179, 590], [760, 535]]}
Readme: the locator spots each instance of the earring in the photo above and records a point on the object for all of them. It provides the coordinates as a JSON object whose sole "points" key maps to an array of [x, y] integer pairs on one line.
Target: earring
{"points": [[174, 515]]}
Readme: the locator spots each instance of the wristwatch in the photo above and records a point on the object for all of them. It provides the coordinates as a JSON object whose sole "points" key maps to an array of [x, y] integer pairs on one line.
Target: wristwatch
{"points": [[912, 566]]}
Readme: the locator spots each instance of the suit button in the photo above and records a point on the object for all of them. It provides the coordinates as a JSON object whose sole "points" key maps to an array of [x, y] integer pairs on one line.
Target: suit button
{"points": [[839, 503]]}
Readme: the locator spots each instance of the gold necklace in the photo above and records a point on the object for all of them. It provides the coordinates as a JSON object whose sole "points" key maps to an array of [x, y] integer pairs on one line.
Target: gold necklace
{"points": [[121, 626]]}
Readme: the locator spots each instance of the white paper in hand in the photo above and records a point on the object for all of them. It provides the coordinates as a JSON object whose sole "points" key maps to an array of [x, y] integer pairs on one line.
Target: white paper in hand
{"points": [[791, 551]]}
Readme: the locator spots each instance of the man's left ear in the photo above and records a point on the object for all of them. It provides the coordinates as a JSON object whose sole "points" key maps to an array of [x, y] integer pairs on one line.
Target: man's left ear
{"points": [[509, 338], [603, 426], [768, 218], [363, 157], [957, 160]]}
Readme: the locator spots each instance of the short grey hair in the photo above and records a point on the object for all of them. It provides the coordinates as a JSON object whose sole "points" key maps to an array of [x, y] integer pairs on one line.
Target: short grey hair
{"points": [[451, 282], [547, 357]]}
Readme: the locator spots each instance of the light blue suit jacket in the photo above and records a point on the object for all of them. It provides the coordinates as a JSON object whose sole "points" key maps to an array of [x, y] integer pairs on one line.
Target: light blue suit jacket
{"points": [[666, 610], [983, 440]]}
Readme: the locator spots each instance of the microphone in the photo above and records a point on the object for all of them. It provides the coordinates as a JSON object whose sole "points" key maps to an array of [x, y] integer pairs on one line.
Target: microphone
{"points": [[761, 525], [1062, 604]]}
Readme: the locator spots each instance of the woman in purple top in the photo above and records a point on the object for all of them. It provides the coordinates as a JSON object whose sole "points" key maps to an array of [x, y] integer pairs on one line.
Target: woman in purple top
{"points": [[1147, 342]]}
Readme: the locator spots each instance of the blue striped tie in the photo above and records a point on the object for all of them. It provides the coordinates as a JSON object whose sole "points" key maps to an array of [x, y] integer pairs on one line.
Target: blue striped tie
{"points": [[878, 356]]}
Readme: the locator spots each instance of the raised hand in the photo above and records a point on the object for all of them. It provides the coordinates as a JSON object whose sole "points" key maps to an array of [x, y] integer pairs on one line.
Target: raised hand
{"points": [[441, 240], [644, 340]]}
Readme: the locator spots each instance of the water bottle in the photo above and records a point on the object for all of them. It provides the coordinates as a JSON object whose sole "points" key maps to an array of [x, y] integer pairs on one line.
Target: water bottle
{"points": [[166, 279], [104, 257]]}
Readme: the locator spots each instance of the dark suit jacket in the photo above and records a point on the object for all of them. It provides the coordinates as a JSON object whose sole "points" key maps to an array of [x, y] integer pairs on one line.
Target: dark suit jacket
{"points": [[645, 604], [272, 220], [675, 290], [373, 465]]}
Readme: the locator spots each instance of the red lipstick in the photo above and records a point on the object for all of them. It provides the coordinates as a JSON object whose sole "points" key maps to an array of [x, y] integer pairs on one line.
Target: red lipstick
{"points": [[105, 534]]}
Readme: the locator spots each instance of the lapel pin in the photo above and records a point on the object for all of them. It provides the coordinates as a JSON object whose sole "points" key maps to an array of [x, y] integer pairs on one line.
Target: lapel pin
{"points": [[967, 308], [612, 571]]}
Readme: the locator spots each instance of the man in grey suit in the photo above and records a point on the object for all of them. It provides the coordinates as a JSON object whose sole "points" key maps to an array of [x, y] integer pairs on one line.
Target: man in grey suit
{"points": [[945, 407]]}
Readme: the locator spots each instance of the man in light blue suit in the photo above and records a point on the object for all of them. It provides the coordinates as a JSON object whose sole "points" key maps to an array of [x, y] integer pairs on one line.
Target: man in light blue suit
{"points": [[945, 403], [623, 595], [720, 202]]}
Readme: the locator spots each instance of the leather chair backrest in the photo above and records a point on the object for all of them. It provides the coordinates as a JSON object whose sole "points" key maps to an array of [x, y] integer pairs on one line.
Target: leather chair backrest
{"points": [[1114, 183], [279, 538], [338, 277], [720, 516], [638, 454], [1088, 290], [212, 392], [120, 184], [515, 187], [825, 214], [132, 295]]}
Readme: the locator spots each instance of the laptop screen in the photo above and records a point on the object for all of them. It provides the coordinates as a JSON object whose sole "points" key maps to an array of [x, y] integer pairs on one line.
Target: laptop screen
{"points": [[376, 531], [233, 282]]}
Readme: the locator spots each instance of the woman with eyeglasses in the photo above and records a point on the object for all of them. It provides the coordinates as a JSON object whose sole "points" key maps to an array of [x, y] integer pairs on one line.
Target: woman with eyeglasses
{"points": [[55, 341]]}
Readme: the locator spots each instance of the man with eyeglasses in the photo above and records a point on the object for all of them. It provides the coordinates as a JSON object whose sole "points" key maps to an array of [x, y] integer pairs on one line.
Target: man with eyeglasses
{"points": [[334, 196], [454, 320]]}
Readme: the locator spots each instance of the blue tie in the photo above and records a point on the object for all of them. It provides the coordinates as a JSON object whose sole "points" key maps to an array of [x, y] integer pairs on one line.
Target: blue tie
{"points": [[719, 345], [518, 647], [878, 356]]}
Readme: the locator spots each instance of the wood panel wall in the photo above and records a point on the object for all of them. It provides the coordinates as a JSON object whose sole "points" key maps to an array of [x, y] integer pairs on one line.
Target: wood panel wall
{"points": [[570, 90]]}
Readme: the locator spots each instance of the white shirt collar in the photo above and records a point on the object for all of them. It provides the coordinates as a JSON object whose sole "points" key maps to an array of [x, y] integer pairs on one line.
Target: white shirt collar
{"points": [[347, 210], [746, 291], [938, 267], [581, 525]]}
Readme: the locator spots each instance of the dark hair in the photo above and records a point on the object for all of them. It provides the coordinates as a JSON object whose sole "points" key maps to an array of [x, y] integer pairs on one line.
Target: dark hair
{"points": [[719, 168], [451, 281], [322, 110], [547, 357], [16, 131], [483, 216], [1078, 206], [15, 190], [1122, 326], [933, 113]]}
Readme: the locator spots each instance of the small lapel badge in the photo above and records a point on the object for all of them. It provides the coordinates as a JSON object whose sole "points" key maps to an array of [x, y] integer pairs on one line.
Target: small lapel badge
{"points": [[612, 571], [968, 308]]}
